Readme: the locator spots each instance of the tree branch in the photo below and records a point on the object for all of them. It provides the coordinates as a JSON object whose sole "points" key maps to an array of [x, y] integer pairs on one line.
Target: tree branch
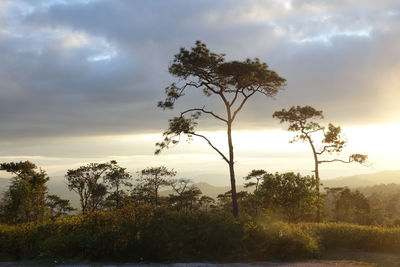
{"points": [[335, 160], [204, 111], [209, 142], [316, 130], [207, 84], [324, 149], [234, 98], [242, 104]]}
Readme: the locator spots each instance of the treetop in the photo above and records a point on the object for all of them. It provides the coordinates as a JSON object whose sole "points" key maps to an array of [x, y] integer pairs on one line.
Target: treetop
{"points": [[200, 68]]}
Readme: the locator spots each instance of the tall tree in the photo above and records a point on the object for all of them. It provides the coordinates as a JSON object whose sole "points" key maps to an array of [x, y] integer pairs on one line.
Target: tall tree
{"points": [[153, 178], [232, 82], [87, 182], [25, 200], [303, 121]]}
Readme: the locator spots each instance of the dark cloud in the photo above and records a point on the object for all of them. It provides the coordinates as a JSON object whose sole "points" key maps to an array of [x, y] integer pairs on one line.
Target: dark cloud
{"points": [[82, 68]]}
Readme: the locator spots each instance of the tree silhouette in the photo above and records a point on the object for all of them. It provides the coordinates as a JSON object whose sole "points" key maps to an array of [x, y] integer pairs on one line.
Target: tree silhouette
{"points": [[58, 206], [254, 174], [152, 178], [25, 199], [116, 178], [86, 181], [180, 186], [258, 175], [302, 120], [191, 196], [232, 82]]}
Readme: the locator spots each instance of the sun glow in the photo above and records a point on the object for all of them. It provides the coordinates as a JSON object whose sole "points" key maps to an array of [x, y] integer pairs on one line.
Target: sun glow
{"points": [[266, 149]]}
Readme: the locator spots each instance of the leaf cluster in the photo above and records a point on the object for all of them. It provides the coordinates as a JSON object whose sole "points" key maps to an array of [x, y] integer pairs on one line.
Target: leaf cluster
{"points": [[303, 120], [200, 68], [292, 194]]}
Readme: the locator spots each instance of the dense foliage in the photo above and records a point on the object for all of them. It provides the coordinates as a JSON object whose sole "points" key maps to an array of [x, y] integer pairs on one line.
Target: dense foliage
{"points": [[287, 197], [289, 194], [25, 199], [133, 222], [146, 234]]}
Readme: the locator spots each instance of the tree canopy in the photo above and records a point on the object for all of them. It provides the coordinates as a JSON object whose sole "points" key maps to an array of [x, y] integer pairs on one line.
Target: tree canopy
{"points": [[25, 199]]}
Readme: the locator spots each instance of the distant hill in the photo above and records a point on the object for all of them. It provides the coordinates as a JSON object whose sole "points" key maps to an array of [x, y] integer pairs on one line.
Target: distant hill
{"points": [[362, 180], [384, 191], [355, 181]]}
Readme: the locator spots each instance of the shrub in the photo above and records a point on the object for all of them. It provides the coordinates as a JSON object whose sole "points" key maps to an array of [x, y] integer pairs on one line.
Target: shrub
{"points": [[161, 235], [279, 240], [368, 238]]}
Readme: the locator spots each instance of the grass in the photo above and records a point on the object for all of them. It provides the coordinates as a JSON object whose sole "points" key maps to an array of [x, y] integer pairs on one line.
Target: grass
{"points": [[195, 237]]}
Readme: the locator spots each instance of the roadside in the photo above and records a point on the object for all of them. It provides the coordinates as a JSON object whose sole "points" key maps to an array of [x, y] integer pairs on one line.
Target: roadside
{"points": [[337, 258], [197, 264]]}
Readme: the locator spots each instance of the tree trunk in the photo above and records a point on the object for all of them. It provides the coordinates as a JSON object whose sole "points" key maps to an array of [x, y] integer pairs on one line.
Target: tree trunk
{"points": [[156, 197], [318, 192], [235, 208], [117, 197], [316, 171]]}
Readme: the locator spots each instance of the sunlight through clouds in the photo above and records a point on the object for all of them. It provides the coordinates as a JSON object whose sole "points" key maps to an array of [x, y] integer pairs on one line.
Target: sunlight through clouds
{"points": [[268, 149], [80, 79]]}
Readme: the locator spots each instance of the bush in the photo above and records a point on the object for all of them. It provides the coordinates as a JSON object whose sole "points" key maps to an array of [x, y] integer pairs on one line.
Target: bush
{"points": [[279, 240], [368, 238], [160, 235]]}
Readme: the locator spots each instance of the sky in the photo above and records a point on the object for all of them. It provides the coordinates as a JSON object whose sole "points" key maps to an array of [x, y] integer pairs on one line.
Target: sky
{"points": [[80, 81]]}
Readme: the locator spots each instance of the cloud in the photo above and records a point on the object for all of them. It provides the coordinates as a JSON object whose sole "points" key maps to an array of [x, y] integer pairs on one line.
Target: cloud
{"points": [[92, 68]]}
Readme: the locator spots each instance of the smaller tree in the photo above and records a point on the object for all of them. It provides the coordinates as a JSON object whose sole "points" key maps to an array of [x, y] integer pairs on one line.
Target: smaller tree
{"points": [[117, 178], [256, 175], [153, 178], [206, 202], [244, 202], [180, 186], [191, 197], [292, 195], [24, 201], [303, 121], [87, 182]]}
